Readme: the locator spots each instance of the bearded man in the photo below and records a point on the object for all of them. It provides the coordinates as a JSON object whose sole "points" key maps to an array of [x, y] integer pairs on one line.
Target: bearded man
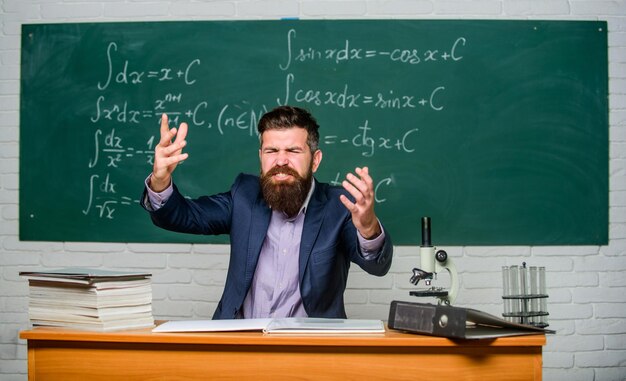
{"points": [[292, 237]]}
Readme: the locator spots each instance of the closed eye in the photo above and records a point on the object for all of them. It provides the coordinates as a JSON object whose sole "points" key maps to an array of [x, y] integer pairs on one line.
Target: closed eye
{"points": [[294, 150]]}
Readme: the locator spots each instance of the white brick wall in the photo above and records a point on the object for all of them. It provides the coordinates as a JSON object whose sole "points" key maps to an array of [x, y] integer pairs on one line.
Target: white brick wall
{"points": [[587, 285]]}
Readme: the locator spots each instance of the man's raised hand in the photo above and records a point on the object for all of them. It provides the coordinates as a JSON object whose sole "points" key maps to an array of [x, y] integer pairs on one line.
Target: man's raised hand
{"points": [[167, 154], [362, 209]]}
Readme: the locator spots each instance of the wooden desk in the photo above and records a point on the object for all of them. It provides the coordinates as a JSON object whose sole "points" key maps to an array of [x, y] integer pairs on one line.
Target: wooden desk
{"points": [[62, 354]]}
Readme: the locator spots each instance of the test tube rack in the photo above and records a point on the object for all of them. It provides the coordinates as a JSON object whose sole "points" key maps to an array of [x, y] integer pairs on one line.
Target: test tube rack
{"points": [[525, 298]]}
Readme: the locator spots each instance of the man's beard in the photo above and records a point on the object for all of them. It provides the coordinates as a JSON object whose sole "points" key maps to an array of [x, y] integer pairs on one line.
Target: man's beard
{"points": [[284, 196]]}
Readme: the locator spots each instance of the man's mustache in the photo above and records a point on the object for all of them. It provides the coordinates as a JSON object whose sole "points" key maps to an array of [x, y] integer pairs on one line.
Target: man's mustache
{"points": [[283, 169]]}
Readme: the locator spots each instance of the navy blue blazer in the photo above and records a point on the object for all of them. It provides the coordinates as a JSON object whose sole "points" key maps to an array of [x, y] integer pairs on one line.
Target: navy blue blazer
{"points": [[329, 242]]}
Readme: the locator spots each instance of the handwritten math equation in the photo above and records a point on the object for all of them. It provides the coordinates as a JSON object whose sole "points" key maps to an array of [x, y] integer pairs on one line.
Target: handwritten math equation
{"points": [[345, 52], [115, 122]]}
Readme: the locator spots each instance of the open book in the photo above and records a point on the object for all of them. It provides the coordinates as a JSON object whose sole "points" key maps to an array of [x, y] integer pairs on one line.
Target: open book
{"points": [[282, 325]]}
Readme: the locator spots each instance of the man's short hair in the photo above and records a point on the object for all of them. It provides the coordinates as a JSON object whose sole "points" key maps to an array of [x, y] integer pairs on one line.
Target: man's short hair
{"points": [[285, 117]]}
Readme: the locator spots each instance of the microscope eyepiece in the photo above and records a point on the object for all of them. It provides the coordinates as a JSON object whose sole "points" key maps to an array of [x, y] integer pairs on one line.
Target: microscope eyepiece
{"points": [[426, 232]]}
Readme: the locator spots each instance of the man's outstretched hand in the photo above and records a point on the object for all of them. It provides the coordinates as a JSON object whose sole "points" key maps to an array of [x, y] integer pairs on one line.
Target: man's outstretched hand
{"points": [[167, 154], [361, 187]]}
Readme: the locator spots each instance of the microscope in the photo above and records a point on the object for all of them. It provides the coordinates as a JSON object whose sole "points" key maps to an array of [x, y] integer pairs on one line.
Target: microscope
{"points": [[434, 261]]}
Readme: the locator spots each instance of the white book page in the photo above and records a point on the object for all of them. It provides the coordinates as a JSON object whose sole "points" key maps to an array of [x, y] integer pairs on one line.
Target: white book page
{"points": [[213, 325], [323, 325]]}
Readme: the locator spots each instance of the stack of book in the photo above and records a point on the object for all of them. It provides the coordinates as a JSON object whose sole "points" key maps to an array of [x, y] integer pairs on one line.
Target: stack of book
{"points": [[89, 299]]}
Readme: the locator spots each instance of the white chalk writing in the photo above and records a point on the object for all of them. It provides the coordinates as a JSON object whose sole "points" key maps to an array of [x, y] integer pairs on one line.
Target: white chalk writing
{"points": [[130, 94]]}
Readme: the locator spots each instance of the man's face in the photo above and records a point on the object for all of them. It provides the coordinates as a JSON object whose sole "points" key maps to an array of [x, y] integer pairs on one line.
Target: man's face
{"points": [[287, 166], [287, 149]]}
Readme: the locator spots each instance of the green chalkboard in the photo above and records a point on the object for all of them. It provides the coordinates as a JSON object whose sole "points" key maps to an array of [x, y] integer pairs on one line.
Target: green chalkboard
{"points": [[497, 130]]}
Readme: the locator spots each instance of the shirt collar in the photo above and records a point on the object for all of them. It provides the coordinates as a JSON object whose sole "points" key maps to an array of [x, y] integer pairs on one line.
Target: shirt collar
{"points": [[308, 196]]}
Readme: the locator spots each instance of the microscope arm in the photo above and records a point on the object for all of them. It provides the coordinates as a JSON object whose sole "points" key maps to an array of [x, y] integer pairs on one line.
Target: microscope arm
{"points": [[454, 281]]}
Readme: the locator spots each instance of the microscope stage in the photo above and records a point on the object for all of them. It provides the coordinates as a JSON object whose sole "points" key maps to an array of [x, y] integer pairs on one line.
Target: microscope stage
{"points": [[435, 293]]}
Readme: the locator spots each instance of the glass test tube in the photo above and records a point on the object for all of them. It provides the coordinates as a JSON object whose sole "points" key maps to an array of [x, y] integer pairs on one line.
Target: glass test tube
{"points": [[506, 292], [534, 291], [514, 290], [543, 304], [524, 291], [522, 280]]}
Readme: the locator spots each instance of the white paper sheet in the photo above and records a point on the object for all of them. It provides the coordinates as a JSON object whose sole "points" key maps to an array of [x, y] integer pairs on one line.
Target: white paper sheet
{"points": [[213, 325]]}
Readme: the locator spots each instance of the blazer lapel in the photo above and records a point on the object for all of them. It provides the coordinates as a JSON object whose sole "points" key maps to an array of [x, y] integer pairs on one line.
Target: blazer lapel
{"points": [[259, 223], [312, 223]]}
